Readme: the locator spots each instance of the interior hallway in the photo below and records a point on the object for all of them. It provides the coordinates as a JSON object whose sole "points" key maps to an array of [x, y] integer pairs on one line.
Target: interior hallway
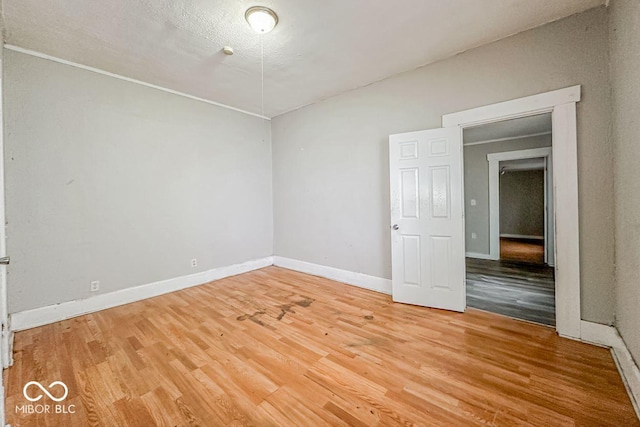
{"points": [[276, 347]]}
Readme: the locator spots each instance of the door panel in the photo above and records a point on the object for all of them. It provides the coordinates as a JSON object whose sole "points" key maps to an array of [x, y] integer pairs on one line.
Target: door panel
{"points": [[409, 196], [411, 264], [426, 212], [440, 191], [440, 261]]}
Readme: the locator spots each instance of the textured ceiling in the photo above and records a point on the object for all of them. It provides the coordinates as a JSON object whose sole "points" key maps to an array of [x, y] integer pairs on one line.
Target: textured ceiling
{"points": [[318, 49], [524, 126]]}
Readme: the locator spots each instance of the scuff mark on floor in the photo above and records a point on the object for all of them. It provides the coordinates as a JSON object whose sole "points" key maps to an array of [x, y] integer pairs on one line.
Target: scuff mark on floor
{"points": [[253, 317], [306, 302], [284, 309], [287, 308]]}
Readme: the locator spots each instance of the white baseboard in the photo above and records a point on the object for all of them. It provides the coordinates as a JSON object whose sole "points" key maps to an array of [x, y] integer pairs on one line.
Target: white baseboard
{"points": [[478, 255], [522, 236], [597, 333], [630, 374], [608, 336], [54, 313], [372, 283]]}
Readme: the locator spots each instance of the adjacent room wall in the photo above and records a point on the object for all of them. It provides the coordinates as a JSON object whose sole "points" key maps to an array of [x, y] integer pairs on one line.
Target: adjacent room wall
{"points": [[476, 186], [3, 285], [522, 203], [331, 174], [113, 181], [624, 27]]}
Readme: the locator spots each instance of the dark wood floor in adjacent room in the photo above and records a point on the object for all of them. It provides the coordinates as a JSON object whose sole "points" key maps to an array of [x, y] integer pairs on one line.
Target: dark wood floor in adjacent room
{"points": [[279, 348], [514, 289]]}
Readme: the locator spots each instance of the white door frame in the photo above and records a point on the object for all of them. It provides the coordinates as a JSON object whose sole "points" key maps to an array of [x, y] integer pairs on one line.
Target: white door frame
{"points": [[494, 194], [561, 104]]}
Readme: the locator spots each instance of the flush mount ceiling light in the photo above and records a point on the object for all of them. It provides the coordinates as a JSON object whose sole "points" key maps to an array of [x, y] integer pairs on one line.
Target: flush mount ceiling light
{"points": [[261, 19]]}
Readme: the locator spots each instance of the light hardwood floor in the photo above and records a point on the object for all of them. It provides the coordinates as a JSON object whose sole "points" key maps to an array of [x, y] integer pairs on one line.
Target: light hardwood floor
{"points": [[276, 347]]}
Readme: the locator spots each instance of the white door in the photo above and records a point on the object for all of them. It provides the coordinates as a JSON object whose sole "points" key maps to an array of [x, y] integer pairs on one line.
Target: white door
{"points": [[427, 244]]}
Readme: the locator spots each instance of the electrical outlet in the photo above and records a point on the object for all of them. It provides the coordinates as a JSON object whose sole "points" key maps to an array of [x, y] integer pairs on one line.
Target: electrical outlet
{"points": [[194, 262], [474, 236], [95, 286]]}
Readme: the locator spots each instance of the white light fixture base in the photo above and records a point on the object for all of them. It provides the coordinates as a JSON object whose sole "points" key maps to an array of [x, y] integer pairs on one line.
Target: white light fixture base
{"points": [[261, 19]]}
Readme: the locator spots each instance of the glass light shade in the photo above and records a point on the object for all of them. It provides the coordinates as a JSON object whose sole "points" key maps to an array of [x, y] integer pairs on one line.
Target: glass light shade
{"points": [[261, 19]]}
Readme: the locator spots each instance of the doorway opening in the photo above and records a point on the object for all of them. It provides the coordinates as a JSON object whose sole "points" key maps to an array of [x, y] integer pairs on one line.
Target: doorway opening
{"points": [[522, 217], [509, 218], [428, 241]]}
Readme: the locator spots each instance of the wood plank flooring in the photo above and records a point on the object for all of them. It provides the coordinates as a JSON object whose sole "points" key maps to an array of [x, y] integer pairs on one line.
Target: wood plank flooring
{"points": [[522, 291], [280, 348], [523, 250]]}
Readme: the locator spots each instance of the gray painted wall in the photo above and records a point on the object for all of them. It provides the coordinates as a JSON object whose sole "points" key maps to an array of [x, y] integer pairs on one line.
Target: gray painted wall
{"points": [[522, 203], [331, 175], [476, 186], [625, 61], [112, 181]]}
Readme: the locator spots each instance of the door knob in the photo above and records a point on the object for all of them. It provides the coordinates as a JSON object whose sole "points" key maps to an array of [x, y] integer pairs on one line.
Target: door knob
{"points": [[395, 227]]}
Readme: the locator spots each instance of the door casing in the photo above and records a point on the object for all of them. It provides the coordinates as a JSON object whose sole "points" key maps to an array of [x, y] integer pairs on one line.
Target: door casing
{"points": [[561, 104]]}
